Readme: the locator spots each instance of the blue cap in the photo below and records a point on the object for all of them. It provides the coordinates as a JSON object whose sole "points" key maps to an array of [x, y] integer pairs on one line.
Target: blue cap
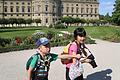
{"points": [[42, 41]]}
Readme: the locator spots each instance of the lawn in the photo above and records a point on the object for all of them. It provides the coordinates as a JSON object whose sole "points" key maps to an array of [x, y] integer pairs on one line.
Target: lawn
{"points": [[106, 33], [23, 32]]}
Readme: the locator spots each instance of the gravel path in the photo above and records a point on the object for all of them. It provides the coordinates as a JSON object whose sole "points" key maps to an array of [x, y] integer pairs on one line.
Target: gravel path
{"points": [[12, 64]]}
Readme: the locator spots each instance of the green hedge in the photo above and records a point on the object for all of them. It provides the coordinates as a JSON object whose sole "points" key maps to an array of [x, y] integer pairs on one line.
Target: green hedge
{"points": [[16, 48], [25, 47], [32, 46]]}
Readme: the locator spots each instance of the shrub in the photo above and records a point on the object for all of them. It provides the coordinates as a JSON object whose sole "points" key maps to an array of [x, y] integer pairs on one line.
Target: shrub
{"points": [[16, 48], [28, 41], [4, 42], [60, 26], [18, 40], [50, 34], [37, 35], [51, 26]]}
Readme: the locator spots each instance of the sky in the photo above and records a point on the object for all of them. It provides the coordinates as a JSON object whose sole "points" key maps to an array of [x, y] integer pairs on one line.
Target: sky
{"points": [[106, 6]]}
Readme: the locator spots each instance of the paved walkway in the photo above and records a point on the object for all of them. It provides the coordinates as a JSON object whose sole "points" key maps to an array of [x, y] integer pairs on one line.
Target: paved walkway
{"points": [[12, 64]]}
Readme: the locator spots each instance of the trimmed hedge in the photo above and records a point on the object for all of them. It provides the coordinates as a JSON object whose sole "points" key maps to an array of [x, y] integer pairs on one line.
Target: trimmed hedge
{"points": [[32, 46], [16, 48]]}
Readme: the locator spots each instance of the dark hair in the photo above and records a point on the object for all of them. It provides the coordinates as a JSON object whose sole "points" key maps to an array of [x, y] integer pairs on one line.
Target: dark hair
{"points": [[79, 32]]}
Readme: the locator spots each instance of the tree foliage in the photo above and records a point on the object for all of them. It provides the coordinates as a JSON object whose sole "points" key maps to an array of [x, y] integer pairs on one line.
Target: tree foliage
{"points": [[116, 13]]}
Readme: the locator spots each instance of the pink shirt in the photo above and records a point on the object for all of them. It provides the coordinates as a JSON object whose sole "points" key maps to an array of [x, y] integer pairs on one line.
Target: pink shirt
{"points": [[73, 48]]}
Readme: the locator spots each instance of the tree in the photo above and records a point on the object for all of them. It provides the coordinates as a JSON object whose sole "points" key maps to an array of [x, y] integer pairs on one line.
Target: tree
{"points": [[77, 20], [20, 21], [83, 21], [67, 20], [88, 22], [108, 18], [12, 21], [28, 21], [37, 21], [102, 17], [4, 22], [116, 13]]}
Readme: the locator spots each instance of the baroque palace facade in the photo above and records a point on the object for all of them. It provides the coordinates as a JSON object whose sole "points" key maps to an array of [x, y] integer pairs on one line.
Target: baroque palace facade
{"points": [[49, 11]]}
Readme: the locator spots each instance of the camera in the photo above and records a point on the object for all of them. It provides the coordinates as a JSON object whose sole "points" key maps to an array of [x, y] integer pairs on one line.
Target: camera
{"points": [[92, 63], [46, 62]]}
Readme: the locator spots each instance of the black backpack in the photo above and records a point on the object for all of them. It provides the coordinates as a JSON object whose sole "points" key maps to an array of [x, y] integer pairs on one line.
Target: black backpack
{"points": [[30, 59]]}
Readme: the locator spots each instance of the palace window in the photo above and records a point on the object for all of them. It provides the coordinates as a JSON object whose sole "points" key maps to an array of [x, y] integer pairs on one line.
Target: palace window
{"points": [[17, 8], [72, 9], [11, 8], [95, 10], [46, 7], [82, 10], [23, 3], [5, 2], [53, 20], [53, 8], [91, 10], [5, 14], [17, 3], [11, 3], [67, 9], [87, 10], [5, 8], [81, 15], [77, 10], [23, 8], [28, 3], [46, 20], [28, 8]]}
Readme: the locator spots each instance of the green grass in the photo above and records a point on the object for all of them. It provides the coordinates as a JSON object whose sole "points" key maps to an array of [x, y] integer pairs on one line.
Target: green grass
{"points": [[100, 32], [106, 33], [23, 32]]}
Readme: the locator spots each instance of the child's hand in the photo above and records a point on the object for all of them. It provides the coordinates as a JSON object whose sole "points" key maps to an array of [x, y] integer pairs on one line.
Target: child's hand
{"points": [[87, 60], [78, 56]]}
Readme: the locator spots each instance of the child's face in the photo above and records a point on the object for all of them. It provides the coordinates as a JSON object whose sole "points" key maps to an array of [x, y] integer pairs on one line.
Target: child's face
{"points": [[45, 48], [81, 39]]}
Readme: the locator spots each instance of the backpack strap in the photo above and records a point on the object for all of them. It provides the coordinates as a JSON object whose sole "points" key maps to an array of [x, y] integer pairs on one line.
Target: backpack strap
{"points": [[69, 47], [80, 49], [38, 58]]}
